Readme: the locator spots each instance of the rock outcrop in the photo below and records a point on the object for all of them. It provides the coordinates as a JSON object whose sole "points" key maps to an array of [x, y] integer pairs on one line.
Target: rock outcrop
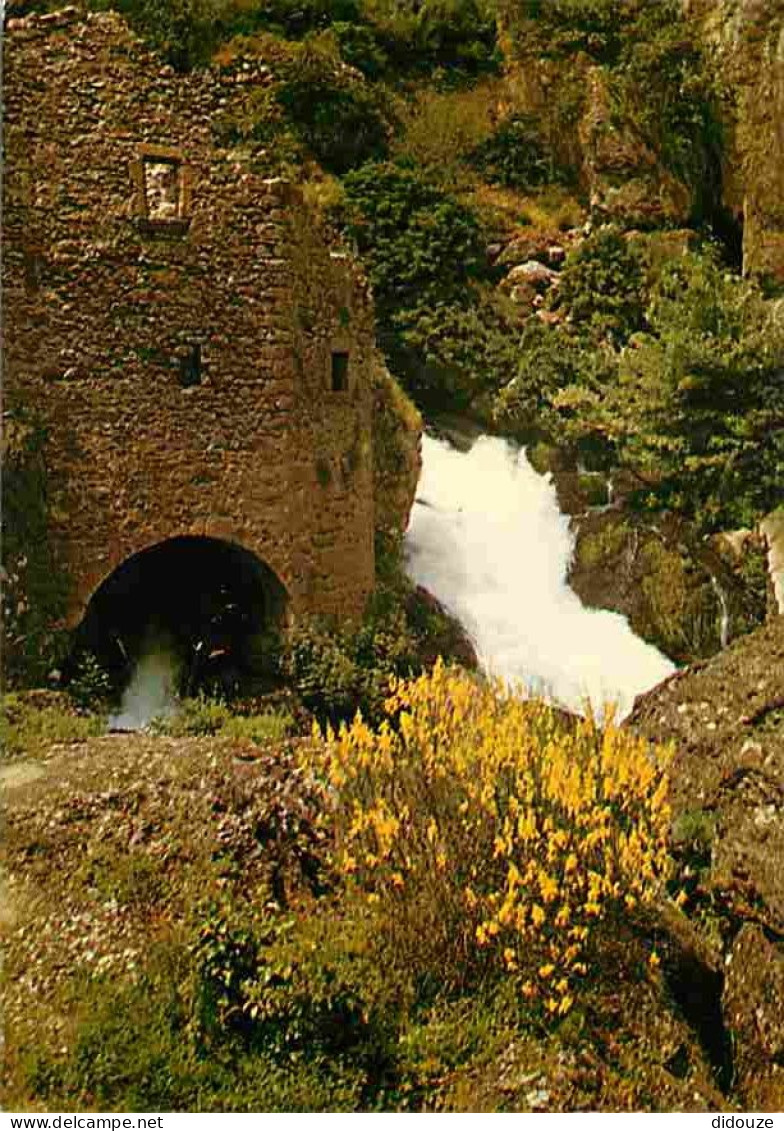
{"points": [[726, 719], [747, 38]]}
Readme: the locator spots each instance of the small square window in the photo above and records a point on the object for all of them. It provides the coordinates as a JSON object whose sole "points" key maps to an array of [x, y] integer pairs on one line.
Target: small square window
{"points": [[162, 188], [190, 366], [339, 372]]}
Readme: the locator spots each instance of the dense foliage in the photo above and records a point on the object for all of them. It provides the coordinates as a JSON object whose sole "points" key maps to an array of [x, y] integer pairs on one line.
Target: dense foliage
{"points": [[697, 407], [516, 156], [602, 287], [339, 669], [341, 121]]}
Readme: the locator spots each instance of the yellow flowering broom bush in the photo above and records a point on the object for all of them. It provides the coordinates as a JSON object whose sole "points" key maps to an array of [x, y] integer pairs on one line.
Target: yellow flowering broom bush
{"points": [[488, 832]]}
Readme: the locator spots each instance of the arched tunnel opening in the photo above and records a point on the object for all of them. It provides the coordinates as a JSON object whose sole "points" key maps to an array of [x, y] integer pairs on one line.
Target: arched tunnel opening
{"points": [[211, 608]]}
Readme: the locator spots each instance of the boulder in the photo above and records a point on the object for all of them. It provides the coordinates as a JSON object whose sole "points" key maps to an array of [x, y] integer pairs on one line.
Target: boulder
{"points": [[726, 718], [532, 274]]}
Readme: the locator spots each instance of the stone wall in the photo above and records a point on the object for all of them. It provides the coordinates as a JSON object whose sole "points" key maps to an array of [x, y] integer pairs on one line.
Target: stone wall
{"points": [[170, 319]]}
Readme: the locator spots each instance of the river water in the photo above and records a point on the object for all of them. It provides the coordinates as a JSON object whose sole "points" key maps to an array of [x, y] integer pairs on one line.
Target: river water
{"points": [[486, 537]]}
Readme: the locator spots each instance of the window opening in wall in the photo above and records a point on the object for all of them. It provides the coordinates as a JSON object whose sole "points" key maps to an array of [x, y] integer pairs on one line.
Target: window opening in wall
{"points": [[190, 366], [339, 372], [162, 188], [33, 269]]}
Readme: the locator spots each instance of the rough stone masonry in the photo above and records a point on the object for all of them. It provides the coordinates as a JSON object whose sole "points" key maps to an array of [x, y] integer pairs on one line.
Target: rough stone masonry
{"points": [[197, 358]]}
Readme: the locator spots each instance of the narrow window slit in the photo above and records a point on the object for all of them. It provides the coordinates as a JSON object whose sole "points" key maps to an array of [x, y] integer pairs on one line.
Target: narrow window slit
{"points": [[339, 372], [190, 366]]}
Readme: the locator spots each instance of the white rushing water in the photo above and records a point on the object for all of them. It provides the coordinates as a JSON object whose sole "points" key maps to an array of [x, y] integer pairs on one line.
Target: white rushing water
{"points": [[488, 540], [151, 694]]}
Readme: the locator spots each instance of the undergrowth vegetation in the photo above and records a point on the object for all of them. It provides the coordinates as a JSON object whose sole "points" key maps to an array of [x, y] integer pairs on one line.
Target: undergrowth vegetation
{"points": [[359, 923], [31, 723]]}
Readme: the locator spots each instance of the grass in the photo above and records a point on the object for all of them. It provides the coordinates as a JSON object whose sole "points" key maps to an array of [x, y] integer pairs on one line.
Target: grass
{"points": [[204, 716], [31, 723]]}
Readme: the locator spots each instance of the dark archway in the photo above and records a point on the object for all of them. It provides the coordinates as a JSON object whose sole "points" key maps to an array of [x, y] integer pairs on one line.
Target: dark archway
{"points": [[213, 604]]}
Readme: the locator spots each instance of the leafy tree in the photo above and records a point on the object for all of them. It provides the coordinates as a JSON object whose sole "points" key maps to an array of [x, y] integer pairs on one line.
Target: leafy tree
{"points": [[551, 359], [698, 409], [449, 338], [515, 156], [602, 286], [420, 244], [340, 118], [458, 353]]}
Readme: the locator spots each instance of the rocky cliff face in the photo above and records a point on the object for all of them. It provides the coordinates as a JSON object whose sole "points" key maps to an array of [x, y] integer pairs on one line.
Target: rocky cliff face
{"points": [[726, 718], [747, 42], [677, 125]]}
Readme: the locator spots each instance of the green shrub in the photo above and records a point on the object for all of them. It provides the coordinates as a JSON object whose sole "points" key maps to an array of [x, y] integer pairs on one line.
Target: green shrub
{"points": [[602, 287], [550, 360], [699, 407], [89, 685], [447, 339], [205, 716], [419, 243], [452, 41], [293, 19], [341, 119], [458, 355], [284, 995], [515, 156], [338, 671]]}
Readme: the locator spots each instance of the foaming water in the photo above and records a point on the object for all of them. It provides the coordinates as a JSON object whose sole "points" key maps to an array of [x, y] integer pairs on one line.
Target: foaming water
{"points": [[488, 540], [151, 693]]}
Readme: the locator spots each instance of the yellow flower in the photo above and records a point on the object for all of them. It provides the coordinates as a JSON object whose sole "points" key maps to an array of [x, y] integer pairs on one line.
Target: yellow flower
{"points": [[397, 880], [547, 970], [562, 918], [537, 915]]}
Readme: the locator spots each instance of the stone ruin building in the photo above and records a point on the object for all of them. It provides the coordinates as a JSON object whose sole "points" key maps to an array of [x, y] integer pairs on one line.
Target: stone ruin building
{"points": [[196, 358]]}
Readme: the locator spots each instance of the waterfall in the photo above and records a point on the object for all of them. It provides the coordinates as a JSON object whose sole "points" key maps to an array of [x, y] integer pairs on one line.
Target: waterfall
{"points": [[724, 612], [486, 537]]}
